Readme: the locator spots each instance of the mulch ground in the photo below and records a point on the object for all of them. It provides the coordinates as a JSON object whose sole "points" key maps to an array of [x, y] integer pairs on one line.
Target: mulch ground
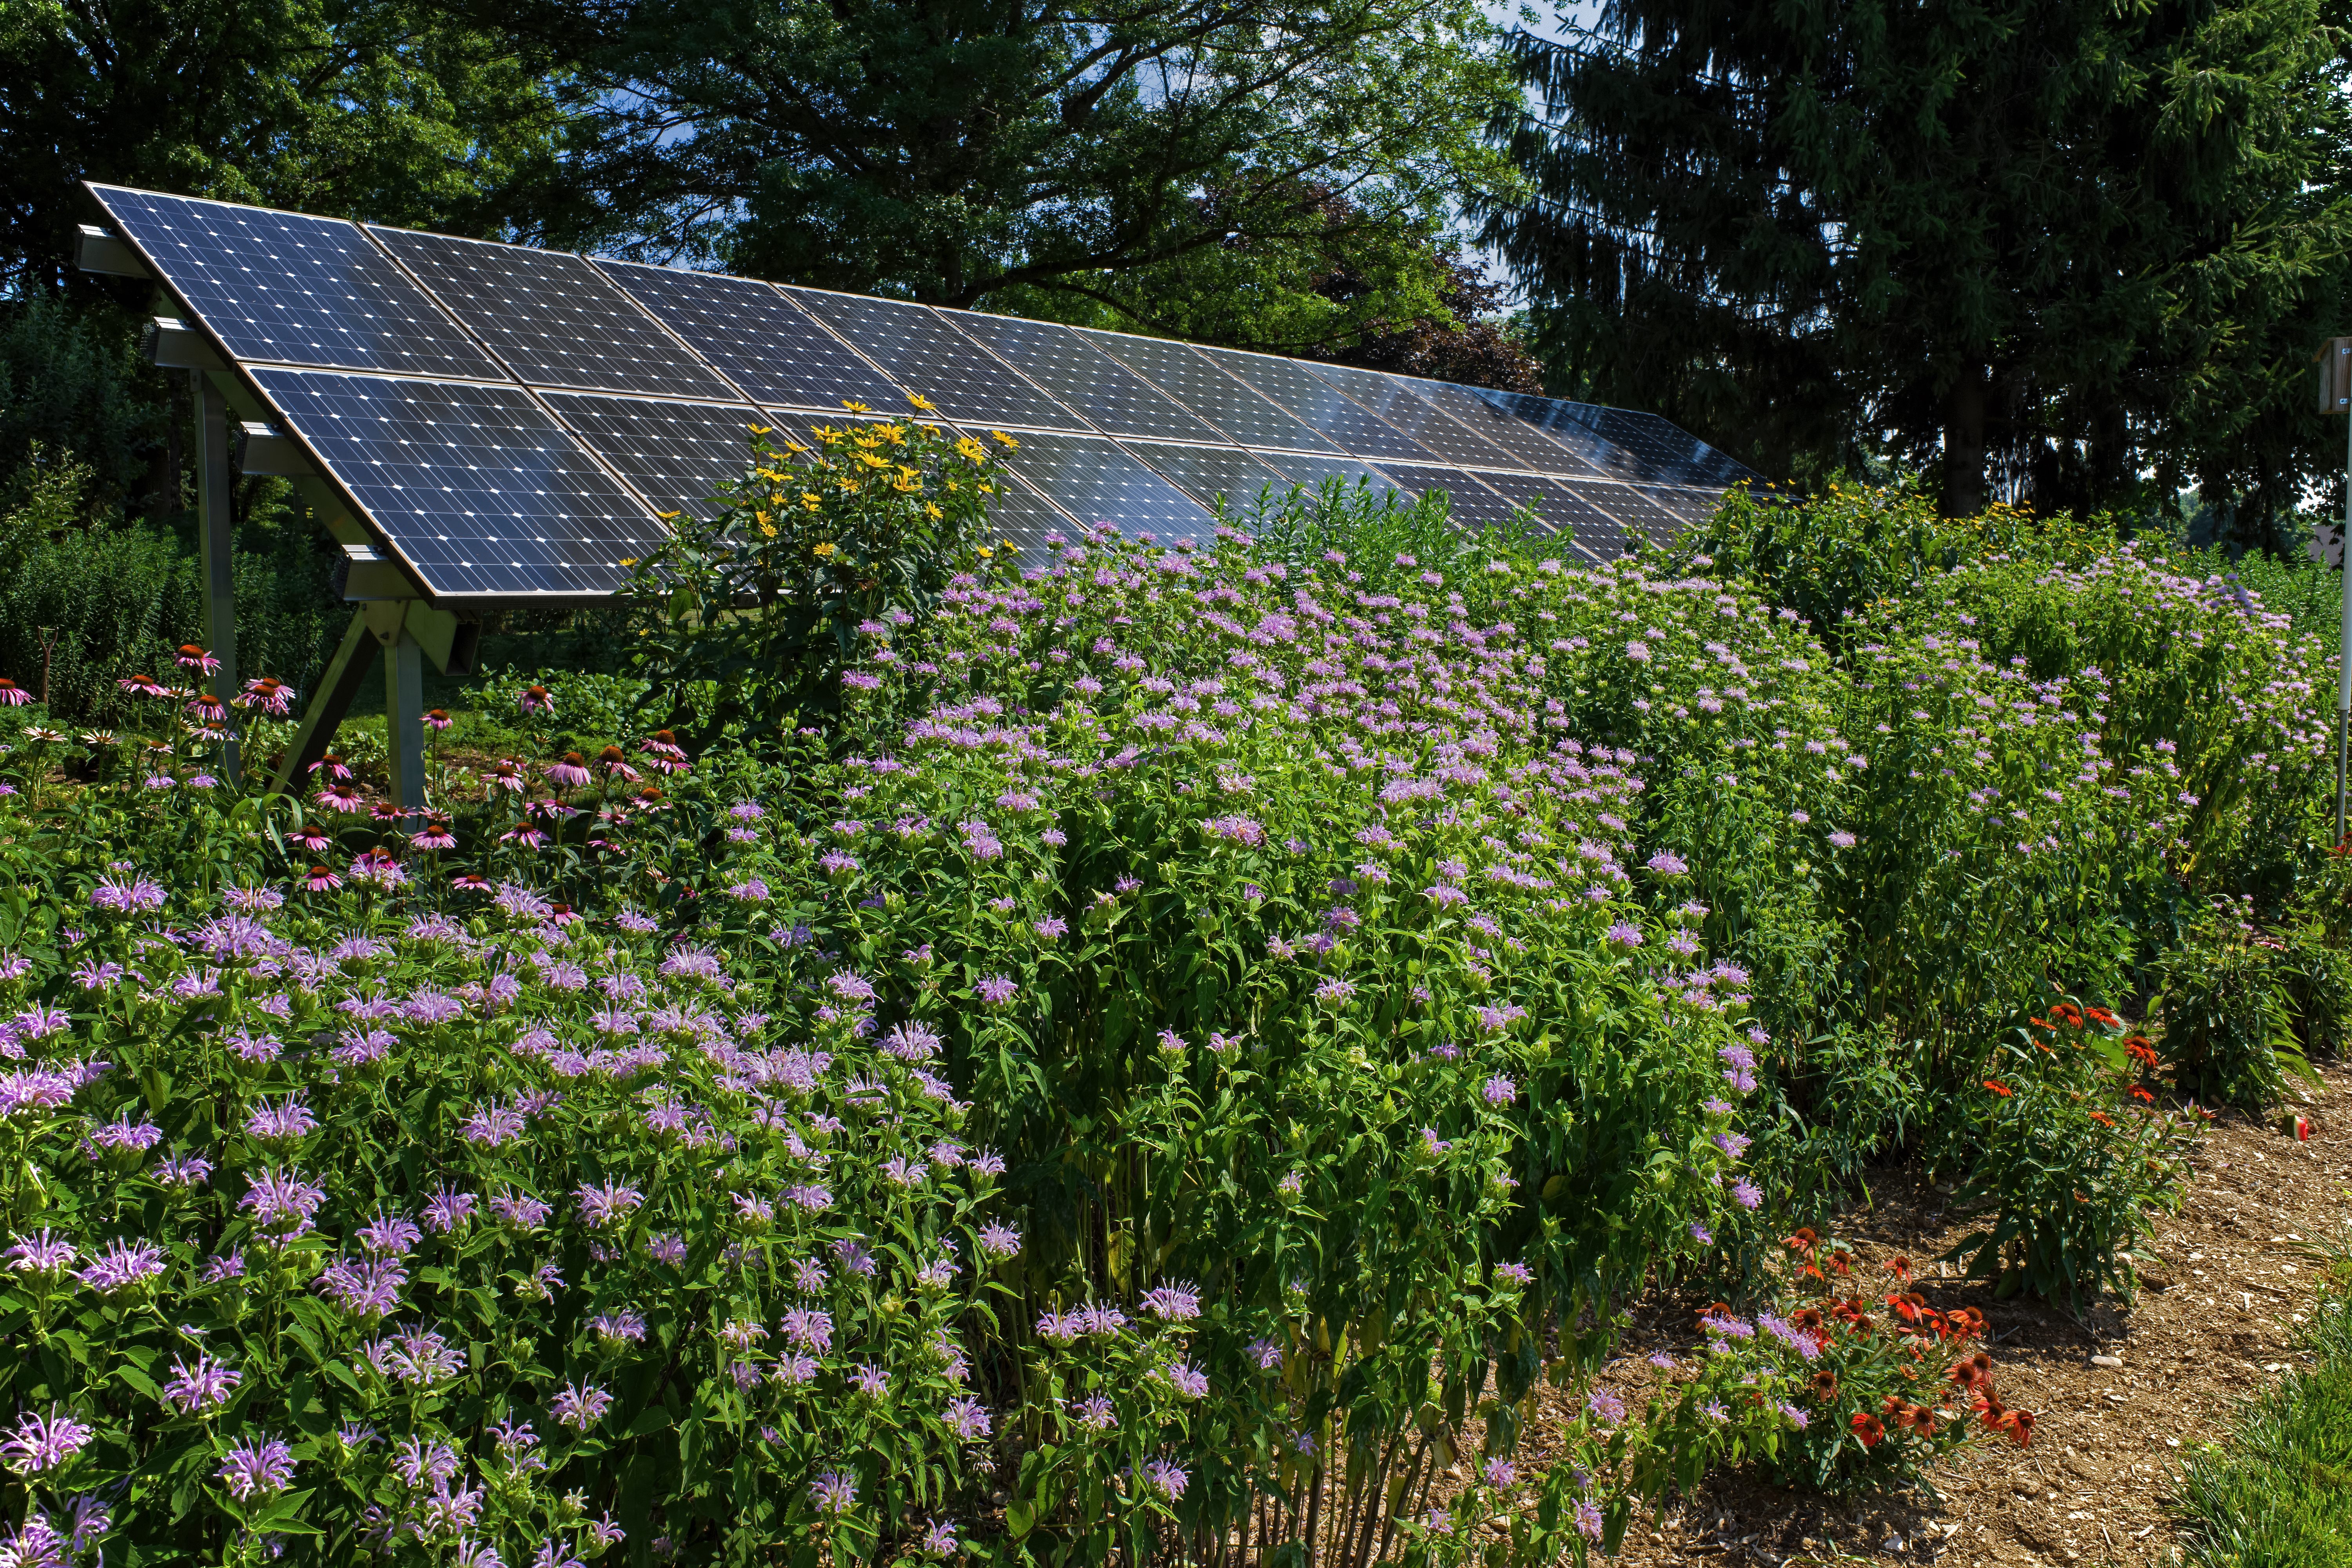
{"points": [[2227, 1279]]}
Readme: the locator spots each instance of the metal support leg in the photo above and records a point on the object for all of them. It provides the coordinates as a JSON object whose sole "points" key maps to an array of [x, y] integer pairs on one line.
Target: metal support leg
{"points": [[215, 523], [328, 703], [404, 722]]}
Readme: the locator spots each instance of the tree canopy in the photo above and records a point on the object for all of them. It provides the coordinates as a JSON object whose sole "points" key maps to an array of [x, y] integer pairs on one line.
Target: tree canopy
{"points": [[2066, 247]]}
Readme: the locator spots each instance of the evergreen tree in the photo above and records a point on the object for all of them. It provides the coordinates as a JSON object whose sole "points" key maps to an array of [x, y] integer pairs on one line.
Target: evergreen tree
{"points": [[2067, 247]]}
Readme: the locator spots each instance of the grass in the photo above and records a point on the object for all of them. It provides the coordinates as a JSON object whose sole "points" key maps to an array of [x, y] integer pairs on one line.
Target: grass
{"points": [[2278, 1494]]}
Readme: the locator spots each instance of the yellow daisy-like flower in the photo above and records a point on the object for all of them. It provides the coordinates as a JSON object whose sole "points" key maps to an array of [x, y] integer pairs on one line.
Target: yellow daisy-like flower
{"points": [[628, 561], [757, 429], [985, 552], [953, 486], [971, 450], [854, 406], [930, 430], [1001, 436], [931, 510], [871, 461], [794, 448], [847, 484], [827, 434], [925, 403], [824, 549], [986, 488], [767, 528], [809, 502], [666, 517], [906, 486]]}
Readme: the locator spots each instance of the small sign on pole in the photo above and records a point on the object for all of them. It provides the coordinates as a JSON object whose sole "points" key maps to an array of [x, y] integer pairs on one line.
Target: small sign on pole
{"points": [[2334, 358]]}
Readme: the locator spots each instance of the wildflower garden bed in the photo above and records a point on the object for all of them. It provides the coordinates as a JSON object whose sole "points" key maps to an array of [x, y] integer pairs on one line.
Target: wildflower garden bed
{"points": [[1178, 1052]]}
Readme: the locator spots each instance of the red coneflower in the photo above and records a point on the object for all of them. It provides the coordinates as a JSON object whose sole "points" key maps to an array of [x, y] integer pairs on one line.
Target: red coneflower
{"points": [[1842, 1261], [2022, 1424], [1867, 1428], [2142, 1050], [2142, 1095], [1802, 1241], [321, 880], [2102, 1017], [1998, 1087], [2103, 1118], [1920, 1419], [191, 657], [1900, 1267], [1824, 1387]]}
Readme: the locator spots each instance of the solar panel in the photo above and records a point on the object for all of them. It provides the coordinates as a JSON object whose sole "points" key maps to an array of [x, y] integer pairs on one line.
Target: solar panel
{"points": [[927, 356], [1395, 399], [1208, 472], [1108, 393], [1311, 469], [758, 339], [676, 454], [1191, 380], [1466, 498], [476, 486], [1668, 454], [1583, 520], [1025, 517], [1536, 494], [1637, 511], [281, 287], [1697, 507], [1558, 423], [1096, 482], [553, 319], [1322, 406], [1533, 448]]}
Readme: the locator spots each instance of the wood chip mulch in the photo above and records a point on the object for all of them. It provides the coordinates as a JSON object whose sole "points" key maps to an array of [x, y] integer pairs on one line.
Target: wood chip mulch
{"points": [[2120, 1396]]}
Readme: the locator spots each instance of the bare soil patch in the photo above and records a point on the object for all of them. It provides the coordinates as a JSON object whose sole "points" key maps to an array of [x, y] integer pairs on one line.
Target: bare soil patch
{"points": [[2228, 1278]]}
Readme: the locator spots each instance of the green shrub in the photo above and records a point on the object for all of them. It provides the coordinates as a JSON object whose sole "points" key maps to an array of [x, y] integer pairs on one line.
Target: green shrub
{"points": [[2068, 1158], [2229, 1025]]}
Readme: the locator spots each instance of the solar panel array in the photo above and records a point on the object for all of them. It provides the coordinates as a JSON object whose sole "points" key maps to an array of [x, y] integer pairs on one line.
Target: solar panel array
{"points": [[515, 423]]}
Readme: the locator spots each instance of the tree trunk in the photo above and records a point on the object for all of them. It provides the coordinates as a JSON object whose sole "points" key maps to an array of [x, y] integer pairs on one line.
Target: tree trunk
{"points": [[1964, 444]]}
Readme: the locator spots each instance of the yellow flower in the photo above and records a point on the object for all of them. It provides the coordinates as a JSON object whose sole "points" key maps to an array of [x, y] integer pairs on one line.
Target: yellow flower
{"points": [[628, 561], [925, 403], [667, 517], [767, 528], [757, 429], [985, 552], [986, 488], [1001, 436], [854, 406], [953, 486], [971, 450], [931, 510], [794, 447], [824, 549], [871, 461], [827, 434]]}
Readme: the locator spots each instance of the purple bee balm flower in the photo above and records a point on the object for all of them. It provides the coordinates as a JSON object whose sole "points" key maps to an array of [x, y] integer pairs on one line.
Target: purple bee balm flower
{"points": [[809, 1329], [1700, 1234], [618, 1328], [999, 1241], [940, 1539], [40, 1445], [44, 1253], [1588, 1520], [1604, 1406], [1747, 1194], [368, 1287], [1516, 1273], [792, 1370], [284, 1122], [603, 1205], [1500, 1090], [1173, 1303], [1095, 1413], [1188, 1380], [1444, 896], [123, 1266], [1624, 935], [203, 1386], [967, 1418], [1166, 1477], [448, 1212], [996, 990], [1498, 1472], [1666, 863], [579, 1405], [832, 1492]]}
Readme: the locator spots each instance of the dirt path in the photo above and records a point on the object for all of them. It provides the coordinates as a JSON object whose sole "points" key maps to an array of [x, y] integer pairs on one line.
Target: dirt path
{"points": [[2212, 1327]]}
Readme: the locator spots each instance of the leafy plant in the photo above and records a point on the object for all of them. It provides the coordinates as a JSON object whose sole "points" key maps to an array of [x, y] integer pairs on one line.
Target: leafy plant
{"points": [[2228, 1031]]}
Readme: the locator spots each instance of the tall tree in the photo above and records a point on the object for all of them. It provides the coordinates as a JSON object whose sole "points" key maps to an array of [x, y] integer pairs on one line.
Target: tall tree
{"points": [[2060, 244], [953, 151], [375, 108]]}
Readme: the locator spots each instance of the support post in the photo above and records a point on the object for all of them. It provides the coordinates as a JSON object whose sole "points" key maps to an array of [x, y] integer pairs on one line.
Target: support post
{"points": [[328, 703], [216, 525], [404, 722], [2343, 640]]}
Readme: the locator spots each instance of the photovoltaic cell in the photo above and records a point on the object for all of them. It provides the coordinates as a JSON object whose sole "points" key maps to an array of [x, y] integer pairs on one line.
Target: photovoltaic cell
{"points": [[1596, 532], [1025, 517], [676, 454], [285, 289], [1638, 512], [928, 357], [1557, 422], [1206, 472], [1528, 490], [1110, 395], [1468, 500], [1394, 400], [476, 486], [1311, 469], [553, 319], [1667, 452], [1690, 506], [1096, 482], [1469, 406], [1319, 404], [1189, 378], [761, 341]]}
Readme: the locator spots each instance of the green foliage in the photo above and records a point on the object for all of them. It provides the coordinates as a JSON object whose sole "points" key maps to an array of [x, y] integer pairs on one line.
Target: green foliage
{"points": [[594, 711], [2228, 1029], [1821, 233], [2067, 1159], [748, 619], [953, 152], [71, 392], [2273, 1495]]}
